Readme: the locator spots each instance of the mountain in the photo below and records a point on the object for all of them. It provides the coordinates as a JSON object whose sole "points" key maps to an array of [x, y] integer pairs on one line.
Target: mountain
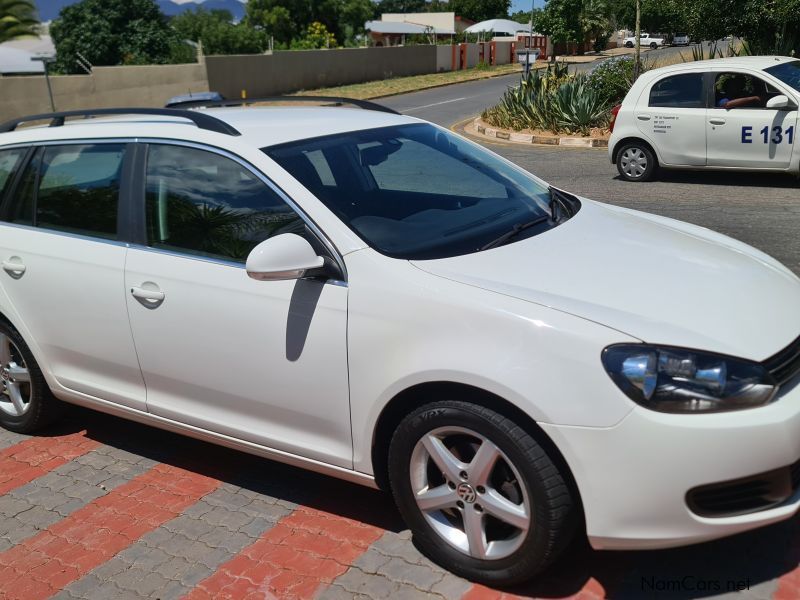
{"points": [[49, 9]]}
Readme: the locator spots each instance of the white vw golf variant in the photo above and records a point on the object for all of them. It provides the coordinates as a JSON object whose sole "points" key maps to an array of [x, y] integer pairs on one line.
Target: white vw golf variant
{"points": [[370, 296]]}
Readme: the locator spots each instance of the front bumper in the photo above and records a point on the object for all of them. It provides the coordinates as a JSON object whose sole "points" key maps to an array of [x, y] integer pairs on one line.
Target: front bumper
{"points": [[634, 477]]}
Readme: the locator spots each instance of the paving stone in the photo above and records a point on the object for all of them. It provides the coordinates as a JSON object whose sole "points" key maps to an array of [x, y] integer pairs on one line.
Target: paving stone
{"points": [[421, 576], [173, 590], [451, 587], [373, 586], [371, 561], [222, 538]]}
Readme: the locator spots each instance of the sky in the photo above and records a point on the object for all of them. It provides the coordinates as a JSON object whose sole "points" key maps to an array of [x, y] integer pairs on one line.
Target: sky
{"points": [[524, 5]]}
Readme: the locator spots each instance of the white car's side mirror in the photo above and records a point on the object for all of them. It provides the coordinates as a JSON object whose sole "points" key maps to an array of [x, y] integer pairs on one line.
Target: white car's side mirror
{"points": [[285, 256], [779, 102]]}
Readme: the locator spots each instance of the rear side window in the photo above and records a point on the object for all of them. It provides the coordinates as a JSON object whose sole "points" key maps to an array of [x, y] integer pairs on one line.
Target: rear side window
{"points": [[201, 203], [9, 162], [73, 188], [679, 91]]}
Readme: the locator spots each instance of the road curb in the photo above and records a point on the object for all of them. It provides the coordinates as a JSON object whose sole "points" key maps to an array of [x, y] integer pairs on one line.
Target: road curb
{"points": [[481, 129]]}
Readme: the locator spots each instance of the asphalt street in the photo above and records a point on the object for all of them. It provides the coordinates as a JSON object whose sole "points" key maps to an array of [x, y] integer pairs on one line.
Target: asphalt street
{"points": [[760, 209]]}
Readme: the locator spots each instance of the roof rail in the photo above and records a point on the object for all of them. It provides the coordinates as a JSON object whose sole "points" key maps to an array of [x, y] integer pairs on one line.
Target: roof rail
{"points": [[331, 100], [203, 121]]}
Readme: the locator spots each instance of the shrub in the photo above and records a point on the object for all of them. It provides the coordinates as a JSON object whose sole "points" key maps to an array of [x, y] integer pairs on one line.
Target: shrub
{"points": [[613, 78]]}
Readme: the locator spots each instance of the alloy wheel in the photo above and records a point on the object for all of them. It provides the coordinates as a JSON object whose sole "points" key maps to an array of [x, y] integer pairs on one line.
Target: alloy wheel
{"points": [[470, 493], [15, 398]]}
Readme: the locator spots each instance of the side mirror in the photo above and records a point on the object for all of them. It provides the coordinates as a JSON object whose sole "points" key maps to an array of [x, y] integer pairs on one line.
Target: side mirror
{"points": [[285, 256], [780, 101]]}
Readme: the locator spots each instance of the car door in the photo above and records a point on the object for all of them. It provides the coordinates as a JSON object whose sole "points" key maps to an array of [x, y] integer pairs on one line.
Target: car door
{"points": [[671, 113], [62, 252], [752, 137], [260, 361]]}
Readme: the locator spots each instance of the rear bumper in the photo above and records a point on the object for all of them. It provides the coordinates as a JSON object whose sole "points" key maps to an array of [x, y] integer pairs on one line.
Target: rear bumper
{"points": [[634, 477]]}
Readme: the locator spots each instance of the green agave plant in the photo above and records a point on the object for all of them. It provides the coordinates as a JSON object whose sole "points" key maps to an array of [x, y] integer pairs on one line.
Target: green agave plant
{"points": [[551, 100]]}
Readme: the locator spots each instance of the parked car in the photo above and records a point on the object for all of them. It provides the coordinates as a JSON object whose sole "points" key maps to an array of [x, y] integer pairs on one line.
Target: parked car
{"points": [[681, 39], [730, 113], [194, 99], [373, 297], [645, 40]]}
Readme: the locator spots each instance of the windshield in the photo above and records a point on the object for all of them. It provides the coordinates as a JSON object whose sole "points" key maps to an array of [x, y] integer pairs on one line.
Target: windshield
{"points": [[416, 191], [788, 73]]}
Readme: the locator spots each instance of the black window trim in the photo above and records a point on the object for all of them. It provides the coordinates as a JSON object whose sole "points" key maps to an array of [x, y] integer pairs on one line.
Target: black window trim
{"points": [[137, 217], [15, 178]]}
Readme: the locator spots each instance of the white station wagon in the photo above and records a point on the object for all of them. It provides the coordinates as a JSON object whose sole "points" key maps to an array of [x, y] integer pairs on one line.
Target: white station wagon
{"points": [[727, 113], [373, 297]]}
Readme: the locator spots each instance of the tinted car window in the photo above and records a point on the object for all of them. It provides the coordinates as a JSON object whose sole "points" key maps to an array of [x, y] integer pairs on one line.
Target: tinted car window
{"points": [[72, 188], [679, 91], [736, 86], [416, 191], [9, 161], [199, 202], [788, 73]]}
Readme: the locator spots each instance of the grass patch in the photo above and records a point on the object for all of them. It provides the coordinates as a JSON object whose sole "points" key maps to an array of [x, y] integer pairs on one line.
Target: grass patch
{"points": [[402, 85]]}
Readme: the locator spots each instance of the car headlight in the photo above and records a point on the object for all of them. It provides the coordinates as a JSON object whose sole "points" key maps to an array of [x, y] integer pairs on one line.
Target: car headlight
{"points": [[678, 380]]}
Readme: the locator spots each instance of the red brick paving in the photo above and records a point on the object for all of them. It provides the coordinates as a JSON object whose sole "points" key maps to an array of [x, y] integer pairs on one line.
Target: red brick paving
{"points": [[300, 555], [42, 565], [37, 456]]}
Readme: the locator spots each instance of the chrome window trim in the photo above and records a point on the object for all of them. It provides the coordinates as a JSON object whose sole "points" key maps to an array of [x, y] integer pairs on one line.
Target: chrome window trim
{"points": [[78, 236], [266, 181]]}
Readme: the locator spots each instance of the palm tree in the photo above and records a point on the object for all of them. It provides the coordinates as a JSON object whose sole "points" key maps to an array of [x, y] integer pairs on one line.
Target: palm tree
{"points": [[17, 20]]}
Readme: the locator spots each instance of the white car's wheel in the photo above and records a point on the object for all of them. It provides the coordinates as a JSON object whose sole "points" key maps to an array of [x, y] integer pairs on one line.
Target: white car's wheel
{"points": [[629, 44], [26, 403], [481, 496], [636, 162], [653, 45]]}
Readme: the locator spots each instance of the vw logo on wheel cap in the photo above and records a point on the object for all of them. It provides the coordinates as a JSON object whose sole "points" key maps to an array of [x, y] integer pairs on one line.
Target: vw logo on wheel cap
{"points": [[466, 493]]}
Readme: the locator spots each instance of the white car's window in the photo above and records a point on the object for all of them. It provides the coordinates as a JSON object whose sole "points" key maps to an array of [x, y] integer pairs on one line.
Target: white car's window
{"points": [[201, 203], [9, 161], [748, 91], [679, 91], [72, 188], [788, 73], [417, 192]]}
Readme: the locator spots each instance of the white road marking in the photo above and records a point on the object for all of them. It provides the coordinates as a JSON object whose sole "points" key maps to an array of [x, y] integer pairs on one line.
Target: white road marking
{"points": [[430, 105]]}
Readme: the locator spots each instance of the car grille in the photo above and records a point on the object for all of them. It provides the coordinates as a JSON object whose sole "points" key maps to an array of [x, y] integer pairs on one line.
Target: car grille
{"points": [[746, 495], [785, 365]]}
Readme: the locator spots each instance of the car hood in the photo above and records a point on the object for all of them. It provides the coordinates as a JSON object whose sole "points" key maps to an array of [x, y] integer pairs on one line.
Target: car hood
{"points": [[656, 279]]}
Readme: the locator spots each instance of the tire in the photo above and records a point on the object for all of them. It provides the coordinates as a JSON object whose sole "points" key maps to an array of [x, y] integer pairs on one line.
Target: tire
{"points": [[26, 403], [523, 482], [653, 45], [636, 162], [629, 44]]}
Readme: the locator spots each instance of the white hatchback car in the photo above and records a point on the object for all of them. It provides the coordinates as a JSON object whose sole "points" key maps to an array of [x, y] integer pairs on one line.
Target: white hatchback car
{"points": [[373, 297], [729, 113]]}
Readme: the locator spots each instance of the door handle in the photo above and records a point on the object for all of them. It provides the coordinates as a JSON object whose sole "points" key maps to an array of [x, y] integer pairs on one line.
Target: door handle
{"points": [[717, 121], [643, 117], [149, 298], [13, 268]]}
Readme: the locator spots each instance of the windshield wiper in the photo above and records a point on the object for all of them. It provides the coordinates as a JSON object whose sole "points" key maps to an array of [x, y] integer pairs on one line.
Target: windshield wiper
{"points": [[514, 232]]}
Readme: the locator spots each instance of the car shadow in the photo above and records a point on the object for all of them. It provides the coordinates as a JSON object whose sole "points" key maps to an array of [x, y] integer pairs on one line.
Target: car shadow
{"points": [[712, 568], [726, 178]]}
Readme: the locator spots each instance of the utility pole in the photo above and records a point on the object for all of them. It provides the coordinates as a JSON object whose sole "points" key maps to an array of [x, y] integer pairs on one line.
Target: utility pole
{"points": [[638, 34], [46, 61], [530, 41]]}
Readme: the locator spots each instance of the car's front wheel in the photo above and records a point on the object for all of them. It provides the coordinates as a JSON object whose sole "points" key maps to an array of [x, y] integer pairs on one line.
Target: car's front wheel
{"points": [[629, 44], [481, 496], [653, 45], [26, 403], [636, 162]]}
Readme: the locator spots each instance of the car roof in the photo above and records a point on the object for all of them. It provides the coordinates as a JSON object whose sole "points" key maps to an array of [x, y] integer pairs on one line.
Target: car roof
{"points": [[758, 63], [259, 126]]}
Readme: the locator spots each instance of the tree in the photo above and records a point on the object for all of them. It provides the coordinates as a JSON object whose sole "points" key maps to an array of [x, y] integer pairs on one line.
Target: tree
{"points": [[561, 20], [657, 16], [17, 20], [288, 20], [400, 6], [317, 36], [217, 33], [111, 32], [481, 10]]}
